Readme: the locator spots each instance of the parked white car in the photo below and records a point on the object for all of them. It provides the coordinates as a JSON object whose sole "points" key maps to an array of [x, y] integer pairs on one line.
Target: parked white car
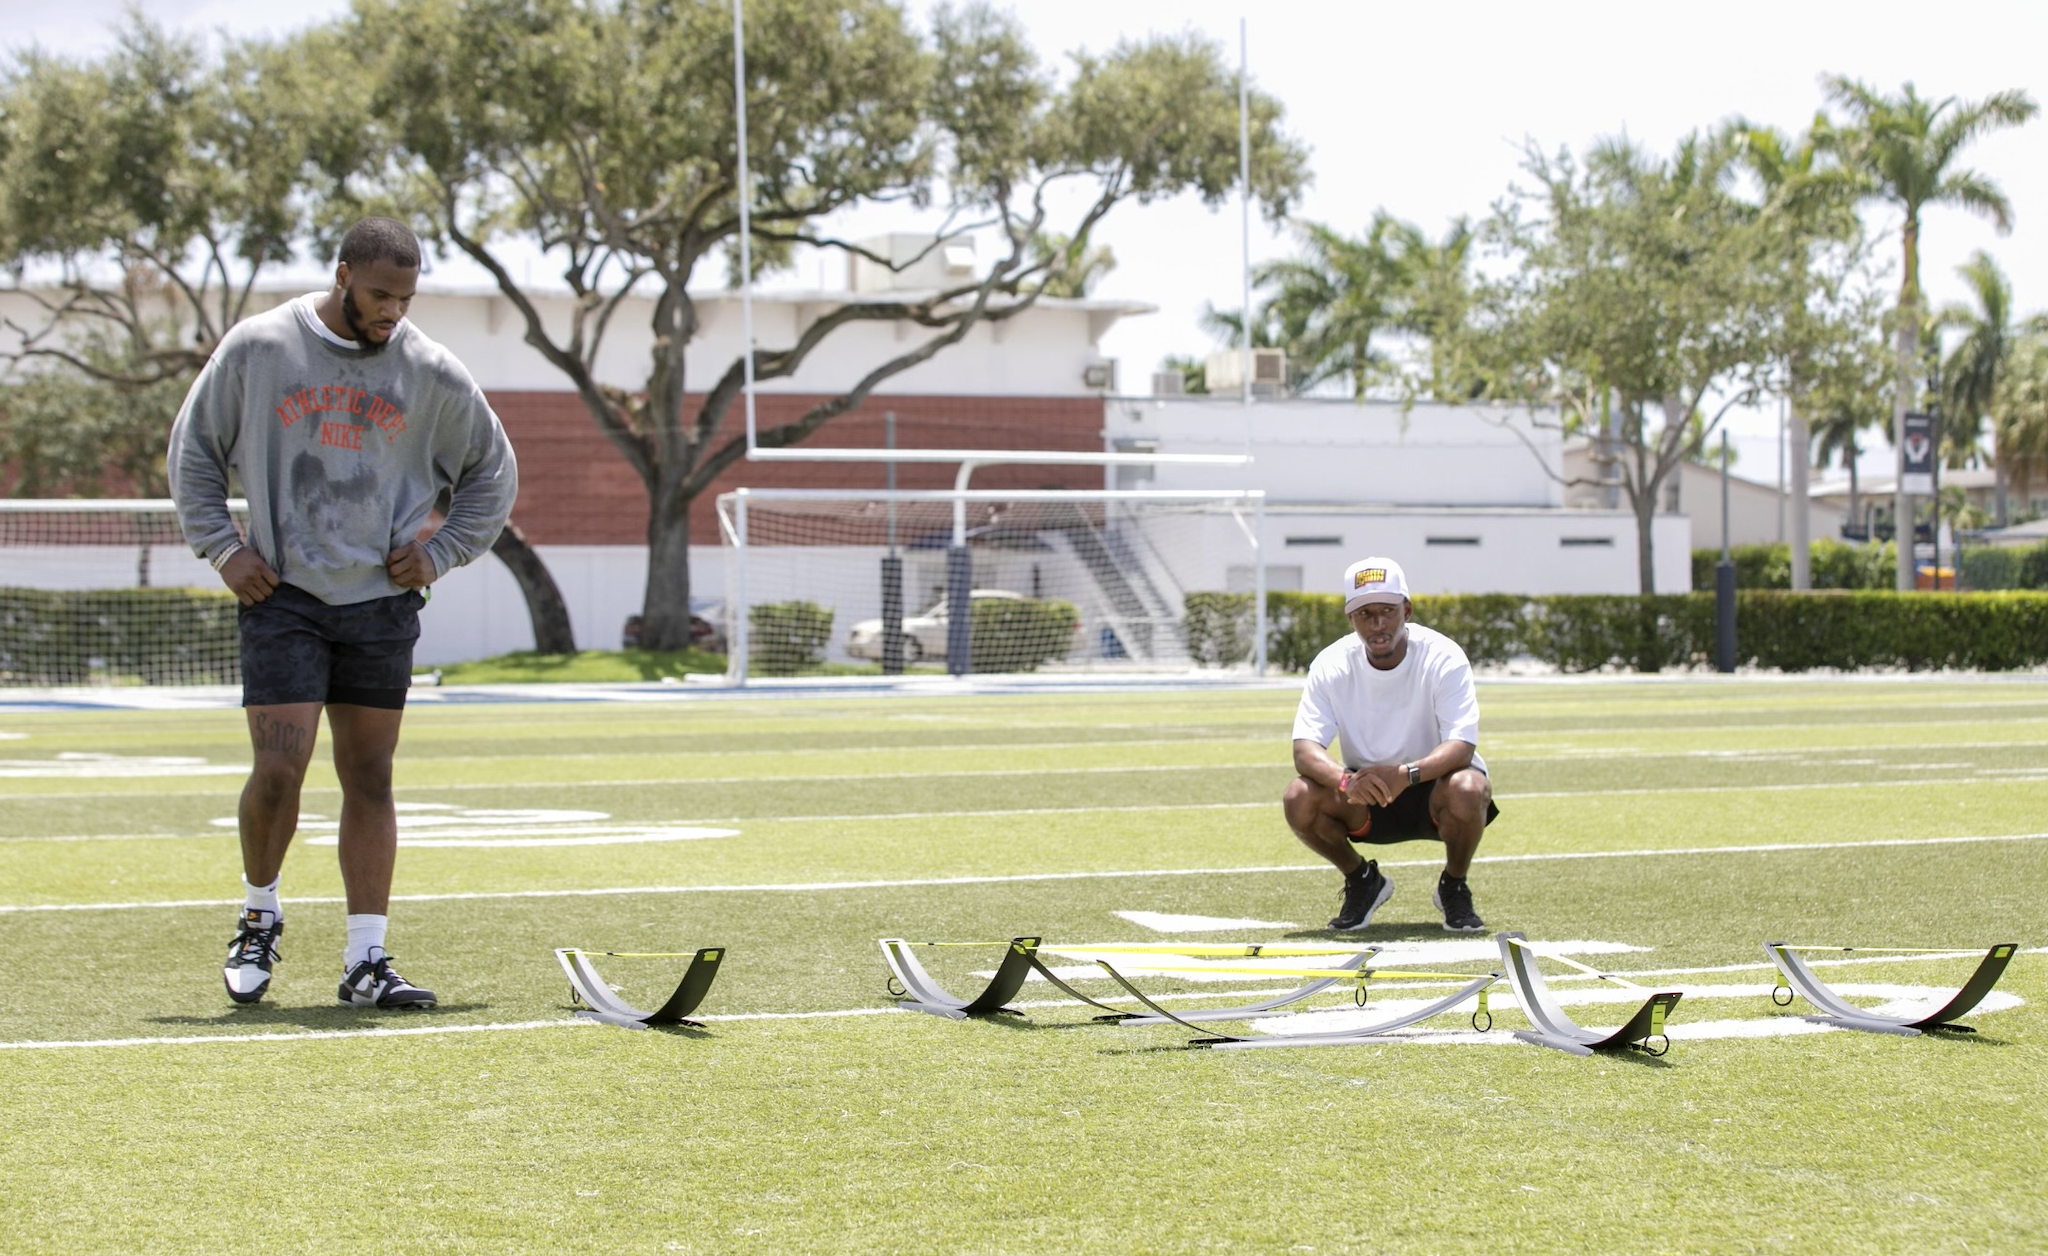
{"points": [[924, 635]]}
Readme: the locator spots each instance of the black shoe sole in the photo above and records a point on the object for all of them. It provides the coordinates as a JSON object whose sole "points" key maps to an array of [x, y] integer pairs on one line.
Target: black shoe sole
{"points": [[1477, 926]]}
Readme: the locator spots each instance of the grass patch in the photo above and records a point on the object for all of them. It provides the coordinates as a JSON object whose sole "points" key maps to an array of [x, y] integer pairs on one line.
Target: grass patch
{"points": [[589, 667], [811, 1116]]}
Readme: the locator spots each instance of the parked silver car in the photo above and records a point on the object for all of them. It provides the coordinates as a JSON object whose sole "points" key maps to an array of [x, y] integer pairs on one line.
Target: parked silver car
{"points": [[924, 634]]}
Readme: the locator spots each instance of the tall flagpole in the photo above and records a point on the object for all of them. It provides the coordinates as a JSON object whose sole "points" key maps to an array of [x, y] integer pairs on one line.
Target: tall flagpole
{"points": [[746, 195], [1244, 176]]}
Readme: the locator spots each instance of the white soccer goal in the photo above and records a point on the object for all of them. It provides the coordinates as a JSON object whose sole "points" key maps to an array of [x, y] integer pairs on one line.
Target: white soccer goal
{"points": [[823, 581], [107, 592]]}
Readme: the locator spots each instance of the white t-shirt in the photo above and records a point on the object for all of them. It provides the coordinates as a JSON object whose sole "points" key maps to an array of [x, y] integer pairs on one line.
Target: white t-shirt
{"points": [[1394, 716]]}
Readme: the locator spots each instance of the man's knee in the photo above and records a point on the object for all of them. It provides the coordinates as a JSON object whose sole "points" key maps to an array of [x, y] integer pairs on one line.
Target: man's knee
{"points": [[1301, 801], [364, 777], [1464, 796]]}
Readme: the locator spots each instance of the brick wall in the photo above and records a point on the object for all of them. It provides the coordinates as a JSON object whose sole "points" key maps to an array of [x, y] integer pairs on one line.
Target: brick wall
{"points": [[575, 487]]}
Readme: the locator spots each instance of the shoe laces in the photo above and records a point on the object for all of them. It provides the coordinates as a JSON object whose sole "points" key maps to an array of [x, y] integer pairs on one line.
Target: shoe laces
{"points": [[253, 946]]}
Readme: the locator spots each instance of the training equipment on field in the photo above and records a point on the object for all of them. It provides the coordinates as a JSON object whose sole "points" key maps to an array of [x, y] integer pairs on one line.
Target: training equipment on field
{"points": [[1476, 986], [919, 993], [1550, 1027], [1839, 1011], [960, 581], [108, 593], [1356, 958], [600, 1004]]}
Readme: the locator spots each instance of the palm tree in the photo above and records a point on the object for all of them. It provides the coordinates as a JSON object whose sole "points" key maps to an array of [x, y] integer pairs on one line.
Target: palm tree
{"points": [[1907, 146], [1975, 369], [1334, 298], [1438, 301], [2021, 410], [1812, 203]]}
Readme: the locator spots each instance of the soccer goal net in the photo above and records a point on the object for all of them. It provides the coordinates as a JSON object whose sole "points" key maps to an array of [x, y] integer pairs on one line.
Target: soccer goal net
{"points": [[108, 593], [854, 582]]}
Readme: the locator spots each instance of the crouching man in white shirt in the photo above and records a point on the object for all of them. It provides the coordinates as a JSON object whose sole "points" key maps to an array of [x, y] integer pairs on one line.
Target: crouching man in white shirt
{"points": [[1398, 699]]}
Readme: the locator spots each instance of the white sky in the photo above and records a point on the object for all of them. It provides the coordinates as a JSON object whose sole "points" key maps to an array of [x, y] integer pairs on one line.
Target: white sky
{"points": [[1423, 110]]}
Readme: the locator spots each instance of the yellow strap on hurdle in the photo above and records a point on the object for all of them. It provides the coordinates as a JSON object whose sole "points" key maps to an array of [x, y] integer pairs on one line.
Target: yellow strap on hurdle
{"points": [[1244, 950], [1894, 950], [1355, 974]]}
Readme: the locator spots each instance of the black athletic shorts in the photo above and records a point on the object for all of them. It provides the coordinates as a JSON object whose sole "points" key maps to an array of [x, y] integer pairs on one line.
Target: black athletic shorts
{"points": [[297, 648], [1406, 819]]}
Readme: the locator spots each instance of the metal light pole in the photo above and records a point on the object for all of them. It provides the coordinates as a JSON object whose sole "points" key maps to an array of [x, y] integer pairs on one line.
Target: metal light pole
{"points": [[1724, 581]]}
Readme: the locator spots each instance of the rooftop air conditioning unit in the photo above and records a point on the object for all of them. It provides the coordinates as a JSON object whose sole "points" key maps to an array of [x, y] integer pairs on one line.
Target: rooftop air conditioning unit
{"points": [[1169, 384], [1269, 372]]}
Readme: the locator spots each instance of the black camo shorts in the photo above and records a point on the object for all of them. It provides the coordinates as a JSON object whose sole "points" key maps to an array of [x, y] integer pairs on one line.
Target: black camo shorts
{"points": [[297, 648]]}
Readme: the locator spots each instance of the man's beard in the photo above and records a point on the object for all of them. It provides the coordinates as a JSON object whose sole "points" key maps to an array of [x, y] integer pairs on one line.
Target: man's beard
{"points": [[354, 318]]}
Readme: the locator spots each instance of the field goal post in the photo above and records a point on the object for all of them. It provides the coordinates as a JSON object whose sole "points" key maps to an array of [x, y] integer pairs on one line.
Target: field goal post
{"points": [[831, 580]]}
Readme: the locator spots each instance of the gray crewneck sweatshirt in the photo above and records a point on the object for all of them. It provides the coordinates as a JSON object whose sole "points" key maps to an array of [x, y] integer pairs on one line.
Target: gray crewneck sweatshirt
{"points": [[341, 453]]}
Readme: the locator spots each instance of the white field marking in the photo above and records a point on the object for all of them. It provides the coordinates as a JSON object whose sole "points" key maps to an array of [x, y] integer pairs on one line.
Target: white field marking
{"points": [[1482, 951], [437, 825], [814, 887], [1169, 922], [1000, 812], [80, 765], [7, 736]]}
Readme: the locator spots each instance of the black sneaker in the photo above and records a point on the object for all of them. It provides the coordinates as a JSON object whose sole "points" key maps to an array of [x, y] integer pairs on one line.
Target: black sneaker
{"points": [[1454, 898], [375, 983], [251, 953], [1364, 891]]}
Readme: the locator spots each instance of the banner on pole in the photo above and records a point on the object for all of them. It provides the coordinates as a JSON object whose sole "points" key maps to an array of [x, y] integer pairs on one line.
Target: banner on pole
{"points": [[1917, 458]]}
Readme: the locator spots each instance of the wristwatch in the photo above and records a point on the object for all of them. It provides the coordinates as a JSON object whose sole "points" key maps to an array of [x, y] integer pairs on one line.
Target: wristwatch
{"points": [[1414, 773]]}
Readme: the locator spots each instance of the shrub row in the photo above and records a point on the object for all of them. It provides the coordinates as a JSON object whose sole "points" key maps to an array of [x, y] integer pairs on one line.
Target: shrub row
{"points": [[119, 636], [1006, 635], [1835, 565], [1792, 632]]}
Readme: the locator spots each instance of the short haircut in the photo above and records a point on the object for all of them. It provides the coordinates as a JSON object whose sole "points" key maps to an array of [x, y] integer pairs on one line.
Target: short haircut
{"points": [[380, 240]]}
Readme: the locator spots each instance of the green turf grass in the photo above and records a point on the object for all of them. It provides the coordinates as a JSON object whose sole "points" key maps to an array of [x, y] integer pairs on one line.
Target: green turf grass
{"points": [[809, 1117]]}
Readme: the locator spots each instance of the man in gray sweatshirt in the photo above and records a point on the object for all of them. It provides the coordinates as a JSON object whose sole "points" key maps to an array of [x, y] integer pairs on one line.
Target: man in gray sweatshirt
{"points": [[344, 425]]}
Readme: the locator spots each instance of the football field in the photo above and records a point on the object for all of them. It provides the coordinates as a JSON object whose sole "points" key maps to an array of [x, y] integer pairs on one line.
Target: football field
{"points": [[1658, 828]]}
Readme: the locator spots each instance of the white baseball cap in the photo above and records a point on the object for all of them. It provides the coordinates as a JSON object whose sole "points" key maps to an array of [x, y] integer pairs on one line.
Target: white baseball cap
{"points": [[1371, 580]]}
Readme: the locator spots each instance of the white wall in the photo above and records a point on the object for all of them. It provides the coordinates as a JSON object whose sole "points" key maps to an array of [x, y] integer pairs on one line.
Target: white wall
{"points": [[1342, 453]]}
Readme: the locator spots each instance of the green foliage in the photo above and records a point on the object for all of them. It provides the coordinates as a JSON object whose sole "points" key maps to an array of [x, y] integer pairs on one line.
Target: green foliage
{"points": [[1989, 567], [1831, 564], [118, 636], [1792, 632], [2034, 567], [64, 434], [1020, 634], [1219, 628], [787, 638], [503, 122], [585, 667]]}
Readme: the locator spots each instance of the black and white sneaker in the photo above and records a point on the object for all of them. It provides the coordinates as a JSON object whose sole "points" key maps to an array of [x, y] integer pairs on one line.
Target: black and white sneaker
{"points": [[375, 983], [1453, 897], [251, 954], [1364, 891]]}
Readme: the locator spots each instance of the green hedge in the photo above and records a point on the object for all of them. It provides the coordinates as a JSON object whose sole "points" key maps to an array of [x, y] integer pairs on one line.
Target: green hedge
{"points": [[1831, 564], [1020, 634], [1786, 631], [785, 638], [119, 636]]}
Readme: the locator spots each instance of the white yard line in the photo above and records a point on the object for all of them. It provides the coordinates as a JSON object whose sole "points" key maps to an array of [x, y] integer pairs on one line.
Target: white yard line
{"points": [[814, 887]]}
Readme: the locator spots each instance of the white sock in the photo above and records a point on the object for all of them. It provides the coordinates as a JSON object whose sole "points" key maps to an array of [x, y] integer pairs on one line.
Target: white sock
{"points": [[261, 897], [365, 933]]}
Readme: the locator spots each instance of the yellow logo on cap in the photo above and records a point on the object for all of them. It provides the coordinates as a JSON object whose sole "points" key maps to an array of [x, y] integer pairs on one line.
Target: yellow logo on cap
{"points": [[1369, 575]]}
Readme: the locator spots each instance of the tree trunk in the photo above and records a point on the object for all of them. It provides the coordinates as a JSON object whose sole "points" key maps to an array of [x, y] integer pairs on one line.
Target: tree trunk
{"points": [[1998, 489], [544, 605], [1645, 504], [1909, 352], [665, 612]]}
